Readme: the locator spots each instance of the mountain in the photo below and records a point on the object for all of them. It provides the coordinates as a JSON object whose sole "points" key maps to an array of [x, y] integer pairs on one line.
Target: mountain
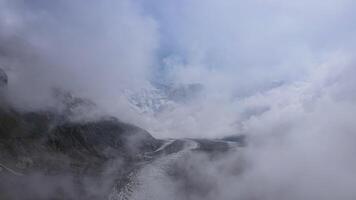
{"points": [[42, 142], [48, 155], [42, 148], [3, 78]]}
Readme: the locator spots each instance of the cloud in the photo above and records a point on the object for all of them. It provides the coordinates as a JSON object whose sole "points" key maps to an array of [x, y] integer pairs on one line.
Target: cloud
{"points": [[301, 145], [235, 49], [93, 49], [238, 49], [280, 72]]}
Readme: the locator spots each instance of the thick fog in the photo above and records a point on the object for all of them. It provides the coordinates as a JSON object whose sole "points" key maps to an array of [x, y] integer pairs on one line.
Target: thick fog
{"points": [[280, 72], [92, 49]]}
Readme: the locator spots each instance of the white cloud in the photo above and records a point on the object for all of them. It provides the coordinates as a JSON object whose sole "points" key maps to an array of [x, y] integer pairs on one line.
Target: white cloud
{"points": [[94, 49]]}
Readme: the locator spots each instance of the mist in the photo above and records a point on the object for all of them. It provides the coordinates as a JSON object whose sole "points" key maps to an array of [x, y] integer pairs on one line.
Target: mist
{"points": [[93, 50], [279, 72]]}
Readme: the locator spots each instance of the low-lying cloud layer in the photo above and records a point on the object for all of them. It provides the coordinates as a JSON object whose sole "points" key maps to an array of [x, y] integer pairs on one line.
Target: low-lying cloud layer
{"points": [[280, 72]]}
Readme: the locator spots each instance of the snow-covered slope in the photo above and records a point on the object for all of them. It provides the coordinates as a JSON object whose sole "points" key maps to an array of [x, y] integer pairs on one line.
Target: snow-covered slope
{"points": [[161, 97]]}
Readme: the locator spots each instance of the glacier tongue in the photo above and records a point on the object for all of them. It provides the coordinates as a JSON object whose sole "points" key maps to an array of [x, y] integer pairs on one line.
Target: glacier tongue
{"points": [[148, 182]]}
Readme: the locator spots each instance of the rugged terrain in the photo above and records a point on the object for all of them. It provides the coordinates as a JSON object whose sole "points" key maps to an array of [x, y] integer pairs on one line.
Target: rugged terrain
{"points": [[47, 155]]}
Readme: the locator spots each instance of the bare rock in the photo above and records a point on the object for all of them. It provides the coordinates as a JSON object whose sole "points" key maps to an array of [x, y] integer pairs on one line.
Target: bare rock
{"points": [[3, 78]]}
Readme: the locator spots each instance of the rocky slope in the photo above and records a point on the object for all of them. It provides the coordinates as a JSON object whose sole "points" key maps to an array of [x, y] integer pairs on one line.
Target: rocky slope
{"points": [[47, 155], [41, 142]]}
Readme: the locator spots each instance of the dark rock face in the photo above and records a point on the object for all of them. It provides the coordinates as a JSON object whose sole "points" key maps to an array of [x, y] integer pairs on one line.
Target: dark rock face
{"points": [[241, 140], [92, 138], [3, 78], [46, 144], [97, 137]]}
